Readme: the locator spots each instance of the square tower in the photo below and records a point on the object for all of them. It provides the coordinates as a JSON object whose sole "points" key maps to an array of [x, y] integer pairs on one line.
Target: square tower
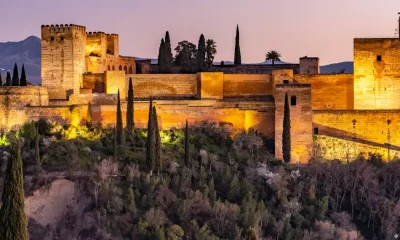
{"points": [[63, 59], [309, 65]]}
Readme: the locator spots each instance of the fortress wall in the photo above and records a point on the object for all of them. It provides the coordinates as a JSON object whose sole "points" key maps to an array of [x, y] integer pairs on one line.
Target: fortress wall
{"points": [[94, 82], [114, 82], [329, 91], [95, 64], [377, 73], [95, 98], [211, 85], [368, 127], [254, 68], [241, 85], [146, 85], [120, 63], [96, 44], [23, 96]]}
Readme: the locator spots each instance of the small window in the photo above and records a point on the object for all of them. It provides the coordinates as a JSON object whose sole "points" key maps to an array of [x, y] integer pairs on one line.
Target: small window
{"points": [[286, 81], [62, 38], [109, 68], [293, 101], [379, 58], [308, 71], [315, 131], [113, 68], [52, 39]]}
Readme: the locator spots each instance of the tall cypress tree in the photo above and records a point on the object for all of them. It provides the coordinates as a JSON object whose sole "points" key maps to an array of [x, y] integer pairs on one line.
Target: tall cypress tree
{"points": [[8, 79], [89, 116], [187, 150], [157, 143], [168, 54], [15, 77], [23, 82], [286, 131], [201, 53], [238, 56], [130, 123], [161, 57], [13, 220], [119, 129], [150, 142]]}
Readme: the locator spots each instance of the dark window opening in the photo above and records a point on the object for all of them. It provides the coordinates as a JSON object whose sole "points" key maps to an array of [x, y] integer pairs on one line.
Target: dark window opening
{"points": [[315, 131], [126, 70], [130, 70], [379, 58], [293, 101], [308, 71], [285, 81], [113, 68], [62, 38], [120, 67], [52, 39], [109, 68]]}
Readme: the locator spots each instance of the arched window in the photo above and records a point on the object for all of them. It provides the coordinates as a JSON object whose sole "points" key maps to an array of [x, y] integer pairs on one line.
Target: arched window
{"points": [[126, 70], [120, 67], [130, 70], [113, 68], [109, 68], [293, 100]]}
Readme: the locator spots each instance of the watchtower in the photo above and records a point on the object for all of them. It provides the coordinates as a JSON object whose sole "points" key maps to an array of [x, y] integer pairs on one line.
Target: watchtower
{"points": [[63, 59], [309, 65]]}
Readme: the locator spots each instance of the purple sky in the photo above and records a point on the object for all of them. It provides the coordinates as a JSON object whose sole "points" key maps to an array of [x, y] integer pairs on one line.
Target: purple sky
{"points": [[295, 28]]}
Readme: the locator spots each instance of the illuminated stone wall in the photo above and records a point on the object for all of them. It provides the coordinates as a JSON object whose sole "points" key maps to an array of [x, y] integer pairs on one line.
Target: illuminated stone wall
{"points": [[23, 96], [368, 127], [211, 85], [329, 91], [126, 64], [243, 85], [300, 121], [377, 73], [96, 82], [114, 81]]}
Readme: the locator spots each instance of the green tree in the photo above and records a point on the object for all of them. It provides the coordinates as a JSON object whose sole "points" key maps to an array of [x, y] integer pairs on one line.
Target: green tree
{"points": [[8, 79], [13, 220], [150, 142], [201, 53], [15, 77], [238, 56], [175, 232], [251, 234], [22, 81], [158, 160], [185, 55], [159, 233], [130, 122], [287, 230], [234, 191], [37, 150], [119, 133], [168, 54], [89, 116], [274, 56], [130, 204], [187, 150], [161, 57], [286, 145], [211, 50]]}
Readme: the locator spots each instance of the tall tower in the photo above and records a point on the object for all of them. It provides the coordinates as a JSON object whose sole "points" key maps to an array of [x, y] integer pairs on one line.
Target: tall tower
{"points": [[63, 59]]}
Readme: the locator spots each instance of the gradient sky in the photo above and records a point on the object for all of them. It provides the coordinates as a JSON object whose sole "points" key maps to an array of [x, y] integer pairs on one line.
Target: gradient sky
{"points": [[295, 28]]}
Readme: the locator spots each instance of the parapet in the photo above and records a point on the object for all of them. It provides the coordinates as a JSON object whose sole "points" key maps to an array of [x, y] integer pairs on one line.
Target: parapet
{"points": [[95, 34], [62, 28], [112, 36]]}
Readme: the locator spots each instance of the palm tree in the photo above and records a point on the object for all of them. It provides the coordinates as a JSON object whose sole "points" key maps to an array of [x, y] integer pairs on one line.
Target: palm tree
{"points": [[273, 56], [211, 50]]}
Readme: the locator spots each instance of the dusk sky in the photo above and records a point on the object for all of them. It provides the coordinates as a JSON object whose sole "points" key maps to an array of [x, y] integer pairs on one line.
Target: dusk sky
{"points": [[319, 28]]}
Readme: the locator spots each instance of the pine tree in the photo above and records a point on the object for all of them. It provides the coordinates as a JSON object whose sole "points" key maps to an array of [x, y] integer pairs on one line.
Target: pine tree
{"points": [[161, 57], [238, 56], [168, 54], [37, 150], [187, 150], [286, 131], [13, 220], [23, 77], [89, 116], [150, 142], [201, 53], [1, 81], [130, 198], [234, 191], [8, 79], [157, 143], [15, 77], [119, 128], [130, 123]]}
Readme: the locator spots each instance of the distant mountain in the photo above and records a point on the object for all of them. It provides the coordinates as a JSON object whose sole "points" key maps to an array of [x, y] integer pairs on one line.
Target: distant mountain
{"points": [[24, 52], [348, 67]]}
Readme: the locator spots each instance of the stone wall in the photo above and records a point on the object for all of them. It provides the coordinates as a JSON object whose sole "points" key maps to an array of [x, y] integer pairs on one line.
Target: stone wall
{"points": [[309, 65], [247, 85], [114, 81], [23, 96], [254, 68], [376, 73], [368, 127], [96, 82], [329, 91], [300, 121], [211, 85], [121, 63]]}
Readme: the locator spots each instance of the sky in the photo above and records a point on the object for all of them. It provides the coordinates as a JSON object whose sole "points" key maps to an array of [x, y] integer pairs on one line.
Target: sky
{"points": [[295, 28]]}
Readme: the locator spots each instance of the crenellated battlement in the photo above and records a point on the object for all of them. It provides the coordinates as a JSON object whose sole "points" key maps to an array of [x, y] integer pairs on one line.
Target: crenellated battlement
{"points": [[95, 34], [62, 28]]}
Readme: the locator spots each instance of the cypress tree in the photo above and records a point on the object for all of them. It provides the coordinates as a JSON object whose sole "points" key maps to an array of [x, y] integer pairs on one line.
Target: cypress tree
{"points": [[15, 78], [150, 142], [1, 81], [157, 141], [13, 220], [187, 150], [168, 54], [201, 53], [238, 56], [37, 152], [89, 116], [119, 129], [130, 123], [286, 131], [161, 57], [23, 77], [8, 79]]}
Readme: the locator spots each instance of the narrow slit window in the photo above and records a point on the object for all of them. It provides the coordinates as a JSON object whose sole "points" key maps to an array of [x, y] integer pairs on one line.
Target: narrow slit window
{"points": [[286, 81], [293, 101], [315, 131], [379, 58]]}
